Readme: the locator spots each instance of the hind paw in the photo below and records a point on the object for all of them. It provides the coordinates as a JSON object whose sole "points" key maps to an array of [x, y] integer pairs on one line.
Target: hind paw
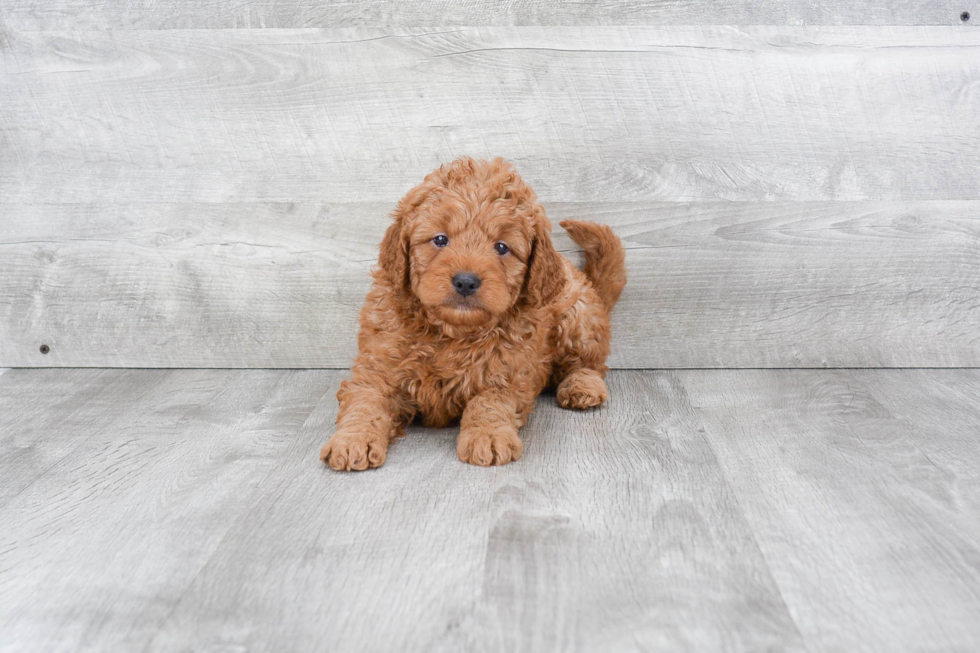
{"points": [[582, 389]]}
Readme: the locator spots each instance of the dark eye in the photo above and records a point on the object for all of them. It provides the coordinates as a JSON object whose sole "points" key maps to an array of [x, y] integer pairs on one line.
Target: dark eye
{"points": [[501, 248], [440, 241]]}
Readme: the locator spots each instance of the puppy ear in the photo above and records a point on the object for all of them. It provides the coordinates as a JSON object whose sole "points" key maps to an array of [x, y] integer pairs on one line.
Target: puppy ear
{"points": [[546, 268], [393, 258]]}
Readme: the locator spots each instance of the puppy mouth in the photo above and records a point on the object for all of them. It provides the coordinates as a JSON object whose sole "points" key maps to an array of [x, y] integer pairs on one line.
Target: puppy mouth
{"points": [[464, 311], [464, 304]]}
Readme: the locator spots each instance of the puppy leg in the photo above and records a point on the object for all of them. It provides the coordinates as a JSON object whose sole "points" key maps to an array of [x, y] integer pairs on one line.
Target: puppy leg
{"points": [[581, 389], [367, 422], [488, 429], [581, 349]]}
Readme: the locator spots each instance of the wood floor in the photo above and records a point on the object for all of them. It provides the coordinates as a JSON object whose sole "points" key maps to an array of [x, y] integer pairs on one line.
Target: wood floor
{"points": [[818, 510]]}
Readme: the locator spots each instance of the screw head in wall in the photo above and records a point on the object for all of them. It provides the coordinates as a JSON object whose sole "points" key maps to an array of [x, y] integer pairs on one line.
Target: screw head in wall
{"points": [[45, 349], [965, 16]]}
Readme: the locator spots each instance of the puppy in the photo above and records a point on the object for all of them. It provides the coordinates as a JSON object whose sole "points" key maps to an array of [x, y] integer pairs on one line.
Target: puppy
{"points": [[472, 313]]}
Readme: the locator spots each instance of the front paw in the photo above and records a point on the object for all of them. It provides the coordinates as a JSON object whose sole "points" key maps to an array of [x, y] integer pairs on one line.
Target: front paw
{"points": [[353, 451], [488, 445]]}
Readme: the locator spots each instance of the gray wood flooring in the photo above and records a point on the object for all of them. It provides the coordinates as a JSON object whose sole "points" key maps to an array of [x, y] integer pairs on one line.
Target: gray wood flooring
{"points": [[811, 510]]}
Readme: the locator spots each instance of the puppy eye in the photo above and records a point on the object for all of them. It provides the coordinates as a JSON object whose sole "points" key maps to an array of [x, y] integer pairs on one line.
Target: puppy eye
{"points": [[440, 241], [501, 248]]}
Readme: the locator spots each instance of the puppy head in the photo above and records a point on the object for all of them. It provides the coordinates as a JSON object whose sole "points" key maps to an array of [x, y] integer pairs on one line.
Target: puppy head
{"points": [[470, 243]]}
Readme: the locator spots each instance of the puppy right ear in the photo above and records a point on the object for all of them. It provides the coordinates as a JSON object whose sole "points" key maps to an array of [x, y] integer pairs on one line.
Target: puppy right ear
{"points": [[393, 258]]}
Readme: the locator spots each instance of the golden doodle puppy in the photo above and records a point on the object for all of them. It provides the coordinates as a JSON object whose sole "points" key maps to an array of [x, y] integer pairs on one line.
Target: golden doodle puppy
{"points": [[472, 313]]}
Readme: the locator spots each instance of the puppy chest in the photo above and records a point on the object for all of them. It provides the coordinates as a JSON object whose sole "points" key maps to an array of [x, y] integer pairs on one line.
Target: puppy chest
{"points": [[442, 385], [442, 391]]}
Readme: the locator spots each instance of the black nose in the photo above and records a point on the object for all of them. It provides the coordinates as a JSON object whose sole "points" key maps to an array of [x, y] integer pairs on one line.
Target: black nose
{"points": [[466, 283]]}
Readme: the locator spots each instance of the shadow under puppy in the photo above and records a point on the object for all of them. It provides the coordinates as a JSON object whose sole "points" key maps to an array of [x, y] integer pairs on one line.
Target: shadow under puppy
{"points": [[472, 313]]}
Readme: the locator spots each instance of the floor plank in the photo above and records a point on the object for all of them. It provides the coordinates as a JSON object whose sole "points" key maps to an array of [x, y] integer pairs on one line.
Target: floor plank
{"points": [[189, 529], [612, 536], [816, 510], [942, 409], [872, 542], [95, 553], [48, 413]]}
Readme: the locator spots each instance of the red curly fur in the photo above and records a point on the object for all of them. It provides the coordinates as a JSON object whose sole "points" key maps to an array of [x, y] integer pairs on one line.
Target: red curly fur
{"points": [[484, 358]]}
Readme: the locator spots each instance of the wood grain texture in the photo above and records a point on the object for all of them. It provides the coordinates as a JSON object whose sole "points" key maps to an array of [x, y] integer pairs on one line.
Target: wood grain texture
{"points": [[764, 284], [96, 552], [611, 536], [588, 114], [212, 524], [168, 14], [868, 534], [645, 127], [46, 409], [948, 423], [807, 510]]}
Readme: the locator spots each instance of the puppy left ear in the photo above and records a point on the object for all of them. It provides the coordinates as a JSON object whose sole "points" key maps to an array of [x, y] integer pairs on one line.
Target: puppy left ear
{"points": [[546, 269]]}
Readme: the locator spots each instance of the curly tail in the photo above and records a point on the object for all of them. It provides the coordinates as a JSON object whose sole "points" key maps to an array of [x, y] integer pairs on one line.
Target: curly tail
{"points": [[605, 259]]}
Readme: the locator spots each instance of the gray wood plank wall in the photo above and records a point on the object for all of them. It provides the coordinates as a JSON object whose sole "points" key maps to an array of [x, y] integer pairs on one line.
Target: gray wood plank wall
{"points": [[791, 196], [193, 14]]}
